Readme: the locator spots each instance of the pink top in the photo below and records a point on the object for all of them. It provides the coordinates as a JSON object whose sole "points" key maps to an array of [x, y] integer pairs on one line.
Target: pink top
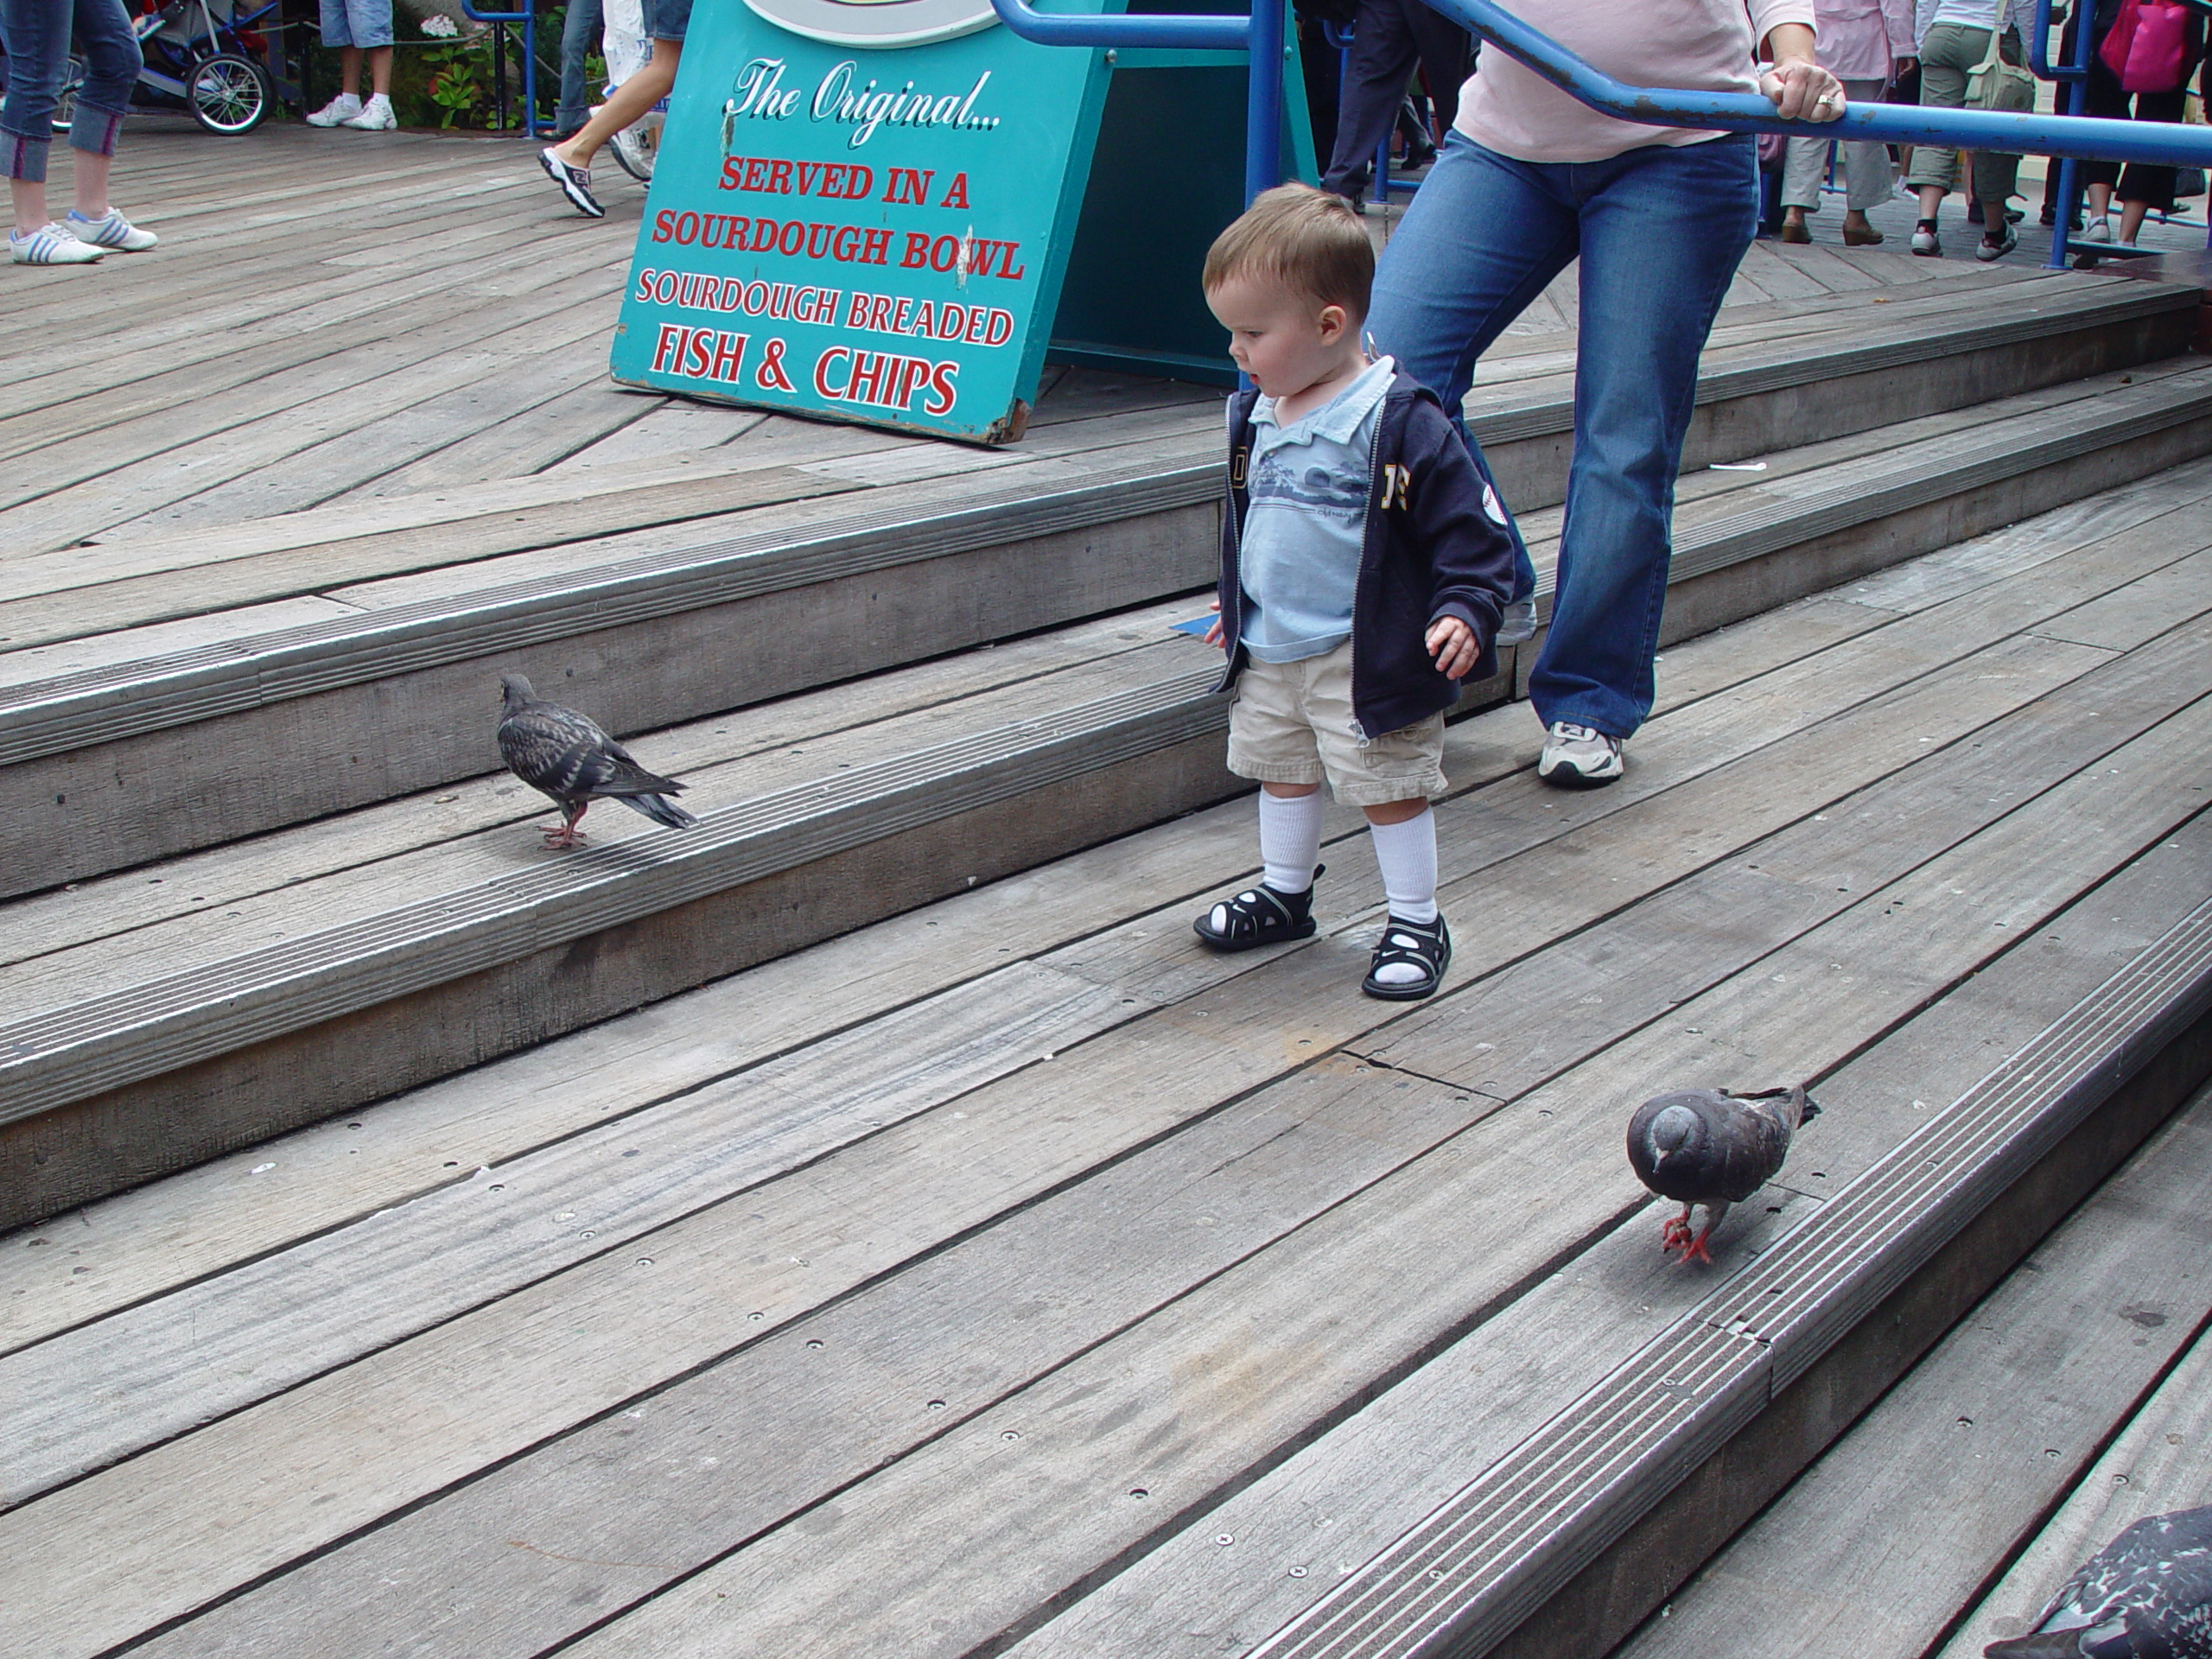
{"points": [[1704, 46], [1861, 40]]}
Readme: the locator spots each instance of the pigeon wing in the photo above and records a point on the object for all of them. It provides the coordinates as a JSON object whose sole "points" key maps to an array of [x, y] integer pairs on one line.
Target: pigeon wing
{"points": [[619, 773], [1755, 1141], [555, 750]]}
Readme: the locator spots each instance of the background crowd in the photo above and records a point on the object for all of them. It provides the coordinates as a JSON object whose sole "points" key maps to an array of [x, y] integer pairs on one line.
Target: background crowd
{"points": [[1405, 64]]}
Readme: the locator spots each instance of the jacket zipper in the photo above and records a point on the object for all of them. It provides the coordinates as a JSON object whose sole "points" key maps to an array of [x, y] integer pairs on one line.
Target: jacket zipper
{"points": [[1366, 532]]}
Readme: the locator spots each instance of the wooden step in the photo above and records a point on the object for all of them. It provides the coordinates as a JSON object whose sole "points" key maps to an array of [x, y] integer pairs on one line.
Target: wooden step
{"points": [[203, 1041], [339, 676], [1179, 1236], [1970, 1450]]}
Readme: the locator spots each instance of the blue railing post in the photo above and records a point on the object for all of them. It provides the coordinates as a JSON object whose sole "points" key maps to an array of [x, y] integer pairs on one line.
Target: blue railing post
{"points": [[2073, 91], [528, 18], [1259, 36], [1263, 100]]}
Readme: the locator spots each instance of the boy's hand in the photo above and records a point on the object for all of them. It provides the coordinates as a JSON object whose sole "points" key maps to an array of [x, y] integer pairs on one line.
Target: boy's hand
{"points": [[1452, 643], [1214, 635]]}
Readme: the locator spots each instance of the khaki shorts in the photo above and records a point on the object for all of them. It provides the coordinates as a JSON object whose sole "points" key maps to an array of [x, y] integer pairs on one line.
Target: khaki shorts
{"points": [[1292, 723]]}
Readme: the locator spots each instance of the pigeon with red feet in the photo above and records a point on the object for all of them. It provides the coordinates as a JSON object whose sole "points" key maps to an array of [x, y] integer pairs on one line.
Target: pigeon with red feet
{"points": [[1707, 1149], [564, 756], [2148, 1592]]}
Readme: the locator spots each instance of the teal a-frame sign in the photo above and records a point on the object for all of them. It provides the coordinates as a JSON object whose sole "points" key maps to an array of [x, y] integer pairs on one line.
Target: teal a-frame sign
{"points": [[867, 210]]}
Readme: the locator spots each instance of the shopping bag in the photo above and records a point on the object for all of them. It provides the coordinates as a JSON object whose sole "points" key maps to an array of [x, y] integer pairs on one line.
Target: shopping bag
{"points": [[1993, 84], [2146, 46]]}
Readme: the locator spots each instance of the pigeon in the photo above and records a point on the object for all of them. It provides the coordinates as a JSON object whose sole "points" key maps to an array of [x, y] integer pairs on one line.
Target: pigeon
{"points": [[2148, 1592], [562, 754], [1711, 1147]]}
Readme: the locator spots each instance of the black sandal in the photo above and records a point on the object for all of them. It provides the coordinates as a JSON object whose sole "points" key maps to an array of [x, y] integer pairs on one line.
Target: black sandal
{"points": [[1425, 945], [1259, 916]]}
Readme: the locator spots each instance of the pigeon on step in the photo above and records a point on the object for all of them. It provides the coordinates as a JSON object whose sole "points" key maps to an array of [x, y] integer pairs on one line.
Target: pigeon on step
{"points": [[1711, 1148], [2148, 1592], [561, 754]]}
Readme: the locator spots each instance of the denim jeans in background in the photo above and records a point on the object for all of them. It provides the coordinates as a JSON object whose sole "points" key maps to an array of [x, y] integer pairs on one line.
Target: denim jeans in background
{"points": [[1659, 231], [579, 38], [36, 36]]}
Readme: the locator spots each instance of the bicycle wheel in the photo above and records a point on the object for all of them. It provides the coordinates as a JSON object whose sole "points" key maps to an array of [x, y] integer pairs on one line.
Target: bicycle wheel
{"points": [[227, 95]]}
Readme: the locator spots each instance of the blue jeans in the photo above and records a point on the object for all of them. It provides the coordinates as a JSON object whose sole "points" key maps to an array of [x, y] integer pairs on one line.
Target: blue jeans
{"points": [[37, 34], [579, 39], [1660, 230]]}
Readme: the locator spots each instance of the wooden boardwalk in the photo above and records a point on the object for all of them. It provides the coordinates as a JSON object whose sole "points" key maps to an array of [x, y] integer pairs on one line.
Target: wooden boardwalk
{"points": [[1010, 1275]]}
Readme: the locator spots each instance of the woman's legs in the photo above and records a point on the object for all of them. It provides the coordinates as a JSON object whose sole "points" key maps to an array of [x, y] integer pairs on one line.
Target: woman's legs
{"points": [[1481, 240], [1943, 65], [112, 60], [38, 56], [1661, 240]]}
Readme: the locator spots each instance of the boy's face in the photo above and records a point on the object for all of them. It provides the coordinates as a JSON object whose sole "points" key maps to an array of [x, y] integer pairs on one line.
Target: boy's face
{"points": [[1284, 340]]}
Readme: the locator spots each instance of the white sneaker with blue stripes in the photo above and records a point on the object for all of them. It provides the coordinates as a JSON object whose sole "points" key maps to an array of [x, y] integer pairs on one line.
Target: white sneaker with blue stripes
{"points": [[110, 230], [50, 245]]}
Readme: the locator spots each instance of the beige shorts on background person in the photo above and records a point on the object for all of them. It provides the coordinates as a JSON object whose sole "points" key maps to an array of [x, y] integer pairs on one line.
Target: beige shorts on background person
{"points": [[1292, 723]]}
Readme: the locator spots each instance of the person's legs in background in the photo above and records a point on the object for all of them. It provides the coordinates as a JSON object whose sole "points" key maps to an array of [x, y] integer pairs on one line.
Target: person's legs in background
{"points": [[112, 59], [568, 162], [2144, 186], [1804, 161], [1866, 178], [1944, 67], [579, 35], [1448, 283], [38, 35], [1381, 61], [1662, 230], [1996, 174]]}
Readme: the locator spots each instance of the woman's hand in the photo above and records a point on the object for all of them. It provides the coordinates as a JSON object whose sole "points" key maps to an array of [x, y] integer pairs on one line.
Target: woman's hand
{"points": [[1214, 635], [1801, 89]]}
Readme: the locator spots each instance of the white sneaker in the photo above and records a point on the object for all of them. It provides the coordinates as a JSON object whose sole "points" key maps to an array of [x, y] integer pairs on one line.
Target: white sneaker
{"points": [[1925, 242], [375, 116], [110, 230], [344, 107], [2100, 230], [1578, 757], [50, 245]]}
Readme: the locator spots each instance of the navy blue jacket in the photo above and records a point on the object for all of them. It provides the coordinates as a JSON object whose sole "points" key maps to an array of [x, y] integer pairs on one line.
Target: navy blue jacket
{"points": [[1429, 551]]}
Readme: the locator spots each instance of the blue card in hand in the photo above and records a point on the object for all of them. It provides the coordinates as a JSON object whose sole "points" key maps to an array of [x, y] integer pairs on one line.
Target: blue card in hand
{"points": [[1196, 628]]}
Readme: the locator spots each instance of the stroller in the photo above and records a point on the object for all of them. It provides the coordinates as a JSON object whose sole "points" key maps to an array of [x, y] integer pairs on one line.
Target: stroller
{"points": [[200, 54]]}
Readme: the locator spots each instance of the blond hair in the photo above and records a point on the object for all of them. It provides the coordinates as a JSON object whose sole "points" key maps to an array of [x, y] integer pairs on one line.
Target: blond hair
{"points": [[1309, 240]]}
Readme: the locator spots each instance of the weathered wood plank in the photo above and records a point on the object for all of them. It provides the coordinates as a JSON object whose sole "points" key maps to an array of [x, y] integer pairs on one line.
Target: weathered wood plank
{"points": [[1346, 1496], [1876, 1546], [1223, 1382], [723, 761], [1293, 979], [2157, 1464]]}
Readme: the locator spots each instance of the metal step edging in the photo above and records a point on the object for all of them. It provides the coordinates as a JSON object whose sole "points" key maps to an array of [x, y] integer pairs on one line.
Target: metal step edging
{"points": [[1462, 1579], [70, 1053]]}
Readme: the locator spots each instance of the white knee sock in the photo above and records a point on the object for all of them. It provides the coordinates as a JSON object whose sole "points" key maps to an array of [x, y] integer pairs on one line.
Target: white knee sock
{"points": [[1290, 839], [1407, 854]]}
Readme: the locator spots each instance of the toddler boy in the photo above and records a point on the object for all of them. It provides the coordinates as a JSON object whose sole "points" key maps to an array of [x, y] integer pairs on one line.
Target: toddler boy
{"points": [[1365, 564]]}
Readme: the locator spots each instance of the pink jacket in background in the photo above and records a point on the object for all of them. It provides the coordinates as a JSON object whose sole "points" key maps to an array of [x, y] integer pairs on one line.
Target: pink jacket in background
{"points": [[1860, 39]]}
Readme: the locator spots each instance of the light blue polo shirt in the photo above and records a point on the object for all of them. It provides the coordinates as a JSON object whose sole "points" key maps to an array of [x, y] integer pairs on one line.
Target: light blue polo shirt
{"points": [[1303, 531]]}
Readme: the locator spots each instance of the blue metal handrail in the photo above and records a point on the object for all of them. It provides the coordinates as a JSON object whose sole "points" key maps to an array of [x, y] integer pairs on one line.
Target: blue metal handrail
{"points": [[2089, 137], [528, 18]]}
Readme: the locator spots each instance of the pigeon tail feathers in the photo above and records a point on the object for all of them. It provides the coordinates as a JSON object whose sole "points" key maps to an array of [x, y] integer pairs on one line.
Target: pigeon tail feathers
{"points": [[659, 809]]}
